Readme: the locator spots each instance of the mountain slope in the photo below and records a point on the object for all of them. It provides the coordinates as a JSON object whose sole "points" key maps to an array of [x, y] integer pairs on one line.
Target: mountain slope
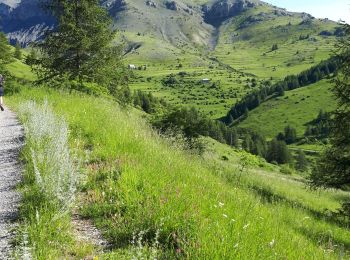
{"points": [[246, 41], [178, 205], [297, 108], [152, 199], [228, 42]]}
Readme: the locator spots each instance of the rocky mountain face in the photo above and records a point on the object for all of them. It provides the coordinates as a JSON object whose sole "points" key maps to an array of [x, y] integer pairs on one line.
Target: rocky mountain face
{"points": [[184, 24], [221, 10], [4, 10], [24, 20]]}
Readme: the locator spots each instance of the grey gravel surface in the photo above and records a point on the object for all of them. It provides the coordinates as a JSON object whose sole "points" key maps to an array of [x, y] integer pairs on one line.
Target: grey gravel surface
{"points": [[11, 141]]}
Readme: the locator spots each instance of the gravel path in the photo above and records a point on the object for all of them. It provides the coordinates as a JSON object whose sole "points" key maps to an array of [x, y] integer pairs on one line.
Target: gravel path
{"points": [[11, 140]]}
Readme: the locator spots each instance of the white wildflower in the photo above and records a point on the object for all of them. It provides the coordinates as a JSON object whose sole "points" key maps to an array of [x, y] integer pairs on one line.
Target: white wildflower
{"points": [[37, 217]]}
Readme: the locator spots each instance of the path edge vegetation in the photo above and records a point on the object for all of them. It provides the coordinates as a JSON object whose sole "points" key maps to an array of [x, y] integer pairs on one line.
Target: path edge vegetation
{"points": [[50, 181]]}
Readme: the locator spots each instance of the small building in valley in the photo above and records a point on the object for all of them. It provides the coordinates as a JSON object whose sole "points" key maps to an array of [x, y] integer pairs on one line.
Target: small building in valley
{"points": [[206, 80]]}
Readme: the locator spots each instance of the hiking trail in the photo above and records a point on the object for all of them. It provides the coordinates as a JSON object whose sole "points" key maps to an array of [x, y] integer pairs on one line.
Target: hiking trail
{"points": [[11, 142]]}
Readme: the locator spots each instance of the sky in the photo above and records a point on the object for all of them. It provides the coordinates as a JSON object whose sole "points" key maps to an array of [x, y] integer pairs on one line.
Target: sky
{"points": [[332, 9]]}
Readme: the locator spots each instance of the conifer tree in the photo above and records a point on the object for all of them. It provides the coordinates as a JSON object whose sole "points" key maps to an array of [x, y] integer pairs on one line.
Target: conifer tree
{"points": [[18, 52], [278, 152], [248, 143], [290, 134], [333, 169], [81, 46], [274, 47], [5, 51], [230, 119], [284, 155], [301, 161], [31, 58]]}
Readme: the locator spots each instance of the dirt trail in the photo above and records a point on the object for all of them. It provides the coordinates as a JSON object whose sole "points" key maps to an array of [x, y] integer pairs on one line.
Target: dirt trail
{"points": [[11, 141]]}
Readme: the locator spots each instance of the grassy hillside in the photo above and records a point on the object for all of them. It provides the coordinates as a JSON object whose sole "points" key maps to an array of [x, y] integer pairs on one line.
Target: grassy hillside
{"points": [[239, 60], [235, 54], [151, 198], [246, 42], [295, 108]]}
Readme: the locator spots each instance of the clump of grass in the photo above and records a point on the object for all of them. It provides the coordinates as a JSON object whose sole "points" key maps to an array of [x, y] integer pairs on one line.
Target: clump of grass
{"points": [[56, 173], [23, 251], [142, 249], [49, 186]]}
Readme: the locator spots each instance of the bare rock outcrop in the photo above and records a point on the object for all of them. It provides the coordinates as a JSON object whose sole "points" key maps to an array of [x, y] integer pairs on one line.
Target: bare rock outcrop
{"points": [[221, 10]]}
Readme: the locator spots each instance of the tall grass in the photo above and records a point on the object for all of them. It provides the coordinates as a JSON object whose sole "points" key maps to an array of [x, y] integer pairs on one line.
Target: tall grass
{"points": [[49, 186], [56, 172], [136, 183]]}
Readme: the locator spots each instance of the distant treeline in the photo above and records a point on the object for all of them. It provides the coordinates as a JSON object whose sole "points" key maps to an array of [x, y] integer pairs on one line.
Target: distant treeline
{"points": [[275, 151], [147, 102], [320, 127], [254, 99]]}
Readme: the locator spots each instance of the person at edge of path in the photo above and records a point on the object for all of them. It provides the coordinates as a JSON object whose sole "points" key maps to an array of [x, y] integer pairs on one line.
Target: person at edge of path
{"points": [[2, 82]]}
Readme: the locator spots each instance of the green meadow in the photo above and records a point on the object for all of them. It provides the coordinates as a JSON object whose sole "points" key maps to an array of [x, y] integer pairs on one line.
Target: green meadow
{"points": [[296, 108], [151, 198]]}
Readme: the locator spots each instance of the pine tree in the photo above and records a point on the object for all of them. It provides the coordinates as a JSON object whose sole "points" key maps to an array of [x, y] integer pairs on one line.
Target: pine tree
{"points": [[248, 143], [274, 47], [280, 91], [5, 51], [18, 52], [230, 119], [32, 58], [301, 161], [246, 113], [278, 152], [333, 168], [81, 47], [290, 134], [232, 137], [272, 152], [280, 137], [284, 155], [308, 131]]}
